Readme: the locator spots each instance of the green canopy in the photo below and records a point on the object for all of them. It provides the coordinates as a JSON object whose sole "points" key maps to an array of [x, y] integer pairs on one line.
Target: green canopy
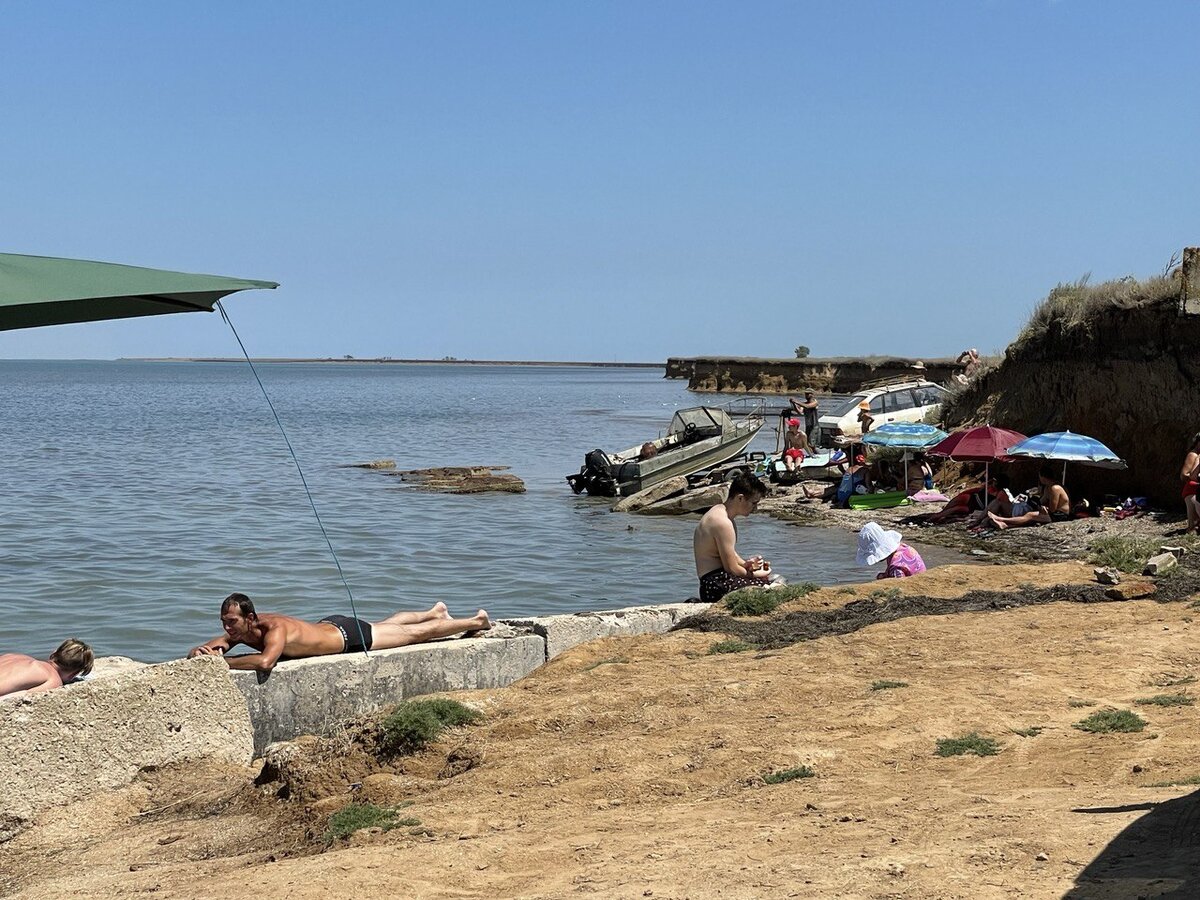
{"points": [[43, 290]]}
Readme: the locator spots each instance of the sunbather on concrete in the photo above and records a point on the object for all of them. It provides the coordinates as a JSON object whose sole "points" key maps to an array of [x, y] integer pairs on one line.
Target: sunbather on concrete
{"points": [[21, 674], [277, 637], [1051, 505]]}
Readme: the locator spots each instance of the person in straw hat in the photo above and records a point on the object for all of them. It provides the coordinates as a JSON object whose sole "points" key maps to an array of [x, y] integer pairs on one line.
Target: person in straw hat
{"points": [[876, 545]]}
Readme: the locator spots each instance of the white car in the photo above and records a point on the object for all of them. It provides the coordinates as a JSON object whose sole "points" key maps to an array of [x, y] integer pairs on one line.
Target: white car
{"points": [[903, 401]]}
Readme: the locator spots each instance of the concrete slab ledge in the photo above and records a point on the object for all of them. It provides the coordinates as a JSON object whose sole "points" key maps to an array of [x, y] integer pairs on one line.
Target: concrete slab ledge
{"points": [[65, 744]]}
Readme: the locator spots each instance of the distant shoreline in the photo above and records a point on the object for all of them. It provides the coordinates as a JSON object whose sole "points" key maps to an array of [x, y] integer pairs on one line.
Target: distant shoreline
{"points": [[407, 362]]}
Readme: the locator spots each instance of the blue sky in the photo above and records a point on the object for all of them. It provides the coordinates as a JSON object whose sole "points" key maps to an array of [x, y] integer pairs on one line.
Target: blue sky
{"points": [[605, 181]]}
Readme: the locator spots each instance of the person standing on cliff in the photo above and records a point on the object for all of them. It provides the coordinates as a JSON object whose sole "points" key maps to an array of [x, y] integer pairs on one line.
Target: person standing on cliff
{"points": [[969, 360], [718, 565], [21, 674], [808, 409]]}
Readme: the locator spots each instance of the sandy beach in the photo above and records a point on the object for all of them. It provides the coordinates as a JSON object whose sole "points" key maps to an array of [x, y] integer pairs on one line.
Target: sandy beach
{"points": [[634, 768]]}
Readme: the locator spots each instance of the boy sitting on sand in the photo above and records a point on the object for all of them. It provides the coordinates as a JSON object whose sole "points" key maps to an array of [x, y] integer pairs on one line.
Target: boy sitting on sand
{"points": [[718, 564]]}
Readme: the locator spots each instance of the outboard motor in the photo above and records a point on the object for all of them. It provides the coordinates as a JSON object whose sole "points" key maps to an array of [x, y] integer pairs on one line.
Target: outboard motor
{"points": [[596, 476]]}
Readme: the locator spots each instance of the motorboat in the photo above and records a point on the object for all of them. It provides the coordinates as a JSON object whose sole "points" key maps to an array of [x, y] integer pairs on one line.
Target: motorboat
{"points": [[698, 437]]}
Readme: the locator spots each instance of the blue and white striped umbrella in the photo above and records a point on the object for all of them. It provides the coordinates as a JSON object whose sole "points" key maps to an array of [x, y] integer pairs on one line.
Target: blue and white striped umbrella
{"points": [[1068, 447], [905, 435]]}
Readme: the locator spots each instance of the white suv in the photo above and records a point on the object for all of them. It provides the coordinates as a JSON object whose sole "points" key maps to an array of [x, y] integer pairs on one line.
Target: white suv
{"points": [[903, 401]]}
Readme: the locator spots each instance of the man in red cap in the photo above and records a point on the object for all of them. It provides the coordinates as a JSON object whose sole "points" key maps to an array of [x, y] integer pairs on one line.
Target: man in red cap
{"points": [[795, 445]]}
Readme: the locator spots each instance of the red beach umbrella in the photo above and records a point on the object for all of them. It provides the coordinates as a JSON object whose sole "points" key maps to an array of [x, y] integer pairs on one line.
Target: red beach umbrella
{"points": [[986, 444]]}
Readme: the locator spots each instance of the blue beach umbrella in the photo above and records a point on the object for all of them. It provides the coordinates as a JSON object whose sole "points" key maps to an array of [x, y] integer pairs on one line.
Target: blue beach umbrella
{"points": [[905, 435], [1068, 447]]}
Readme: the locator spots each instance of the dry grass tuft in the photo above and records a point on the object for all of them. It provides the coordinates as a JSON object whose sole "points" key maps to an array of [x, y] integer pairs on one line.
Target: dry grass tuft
{"points": [[1075, 306]]}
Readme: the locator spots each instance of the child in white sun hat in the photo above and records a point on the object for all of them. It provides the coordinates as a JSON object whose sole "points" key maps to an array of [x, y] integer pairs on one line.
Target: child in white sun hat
{"points": [[876, 545]]}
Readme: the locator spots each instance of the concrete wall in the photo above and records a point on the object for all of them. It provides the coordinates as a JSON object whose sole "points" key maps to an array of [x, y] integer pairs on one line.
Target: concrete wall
{"points": [[309, 696], [65, 744], [566, 631], [60, 746]]}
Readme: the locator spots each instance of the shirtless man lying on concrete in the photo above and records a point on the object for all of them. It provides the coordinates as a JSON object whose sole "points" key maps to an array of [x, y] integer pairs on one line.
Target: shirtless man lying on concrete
{"points": [[21, 674], [718, 565], [277, 637]]}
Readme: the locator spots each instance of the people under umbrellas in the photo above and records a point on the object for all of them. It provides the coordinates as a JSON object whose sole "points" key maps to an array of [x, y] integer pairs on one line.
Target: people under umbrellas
{"points": [[1050, 504]]}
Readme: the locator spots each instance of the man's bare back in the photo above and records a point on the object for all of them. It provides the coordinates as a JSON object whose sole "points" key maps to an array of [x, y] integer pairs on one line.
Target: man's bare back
{"points": [[715, 528], [21, 674]]}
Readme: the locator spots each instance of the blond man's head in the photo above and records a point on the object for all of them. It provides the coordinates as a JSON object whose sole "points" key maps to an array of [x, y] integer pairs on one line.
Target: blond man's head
{"points": [[73, 656]]}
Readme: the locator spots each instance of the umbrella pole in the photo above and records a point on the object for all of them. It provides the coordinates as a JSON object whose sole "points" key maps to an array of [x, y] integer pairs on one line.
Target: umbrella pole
{"points": [[1064, 478]]}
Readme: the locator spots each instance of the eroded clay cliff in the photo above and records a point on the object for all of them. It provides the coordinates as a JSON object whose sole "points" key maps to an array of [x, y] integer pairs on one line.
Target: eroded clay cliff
{"points": [[1126, 372]]}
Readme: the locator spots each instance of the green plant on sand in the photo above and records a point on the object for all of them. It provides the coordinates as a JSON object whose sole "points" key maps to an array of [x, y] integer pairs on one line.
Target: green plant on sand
{"points": [[356, 816], [1126, 553], [413, 725], [756, 601], [1167, 700], [888, 685], [1031, 731], [1111, 720], [968, 743], [782, 775]]}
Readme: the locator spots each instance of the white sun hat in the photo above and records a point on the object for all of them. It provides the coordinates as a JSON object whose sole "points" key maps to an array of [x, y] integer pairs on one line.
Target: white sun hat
{"points": [[875, 544]]}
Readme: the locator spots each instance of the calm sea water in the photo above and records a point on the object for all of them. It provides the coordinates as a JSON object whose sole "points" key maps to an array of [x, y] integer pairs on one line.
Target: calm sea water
{"points": [[137, 495]]}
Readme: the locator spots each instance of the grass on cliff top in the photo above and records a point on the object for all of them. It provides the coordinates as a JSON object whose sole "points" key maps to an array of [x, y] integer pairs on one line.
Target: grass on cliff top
{"points": [[758, 601], [356, 816], [413, 725], [1126, 553], [1077, 305]]}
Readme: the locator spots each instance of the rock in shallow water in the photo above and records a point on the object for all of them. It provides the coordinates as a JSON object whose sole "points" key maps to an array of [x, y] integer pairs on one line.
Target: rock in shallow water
{"points": [[462, 479]]}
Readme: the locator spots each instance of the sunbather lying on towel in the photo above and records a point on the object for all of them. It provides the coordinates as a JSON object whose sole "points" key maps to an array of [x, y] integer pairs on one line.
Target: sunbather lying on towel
{"points": [[965, 503], [275, 636]]}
